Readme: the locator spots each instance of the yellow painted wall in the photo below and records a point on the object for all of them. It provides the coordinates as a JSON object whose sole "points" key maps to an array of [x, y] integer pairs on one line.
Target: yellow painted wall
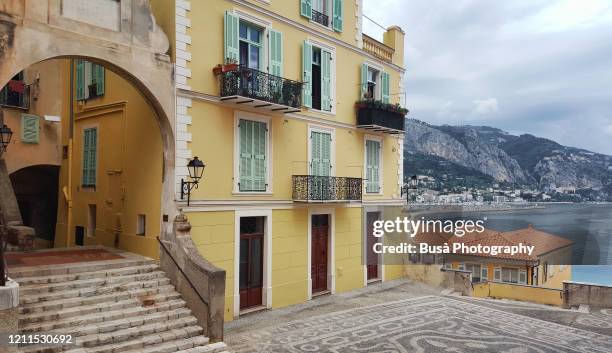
{"points": [[525, 293], [348, 249], [129, 168]]}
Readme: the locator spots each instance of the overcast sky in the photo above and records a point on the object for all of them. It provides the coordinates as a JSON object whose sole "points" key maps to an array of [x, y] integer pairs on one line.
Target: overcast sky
{"points": [[525, 66]]}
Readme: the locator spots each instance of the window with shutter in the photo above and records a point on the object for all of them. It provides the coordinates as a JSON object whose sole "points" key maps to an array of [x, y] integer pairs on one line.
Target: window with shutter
{"points": [[276, 53], [81, 92], [90, 145], [320, 154], [372, 166], [88, 74], [325, 81], [98, 78], [364, 81], [253, 155], [230, 37], [307, 74], [338, 15], [30, 128], [306, 8], [385, 87]]}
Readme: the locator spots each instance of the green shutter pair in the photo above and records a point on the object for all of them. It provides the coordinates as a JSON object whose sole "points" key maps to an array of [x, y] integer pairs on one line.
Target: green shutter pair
{"points": [[231, 44], [253, 159], [90, 147], [86, 74], [30, 128], [384, 84], [320, 150], [326, 84], [338, 10], [372, 166]]}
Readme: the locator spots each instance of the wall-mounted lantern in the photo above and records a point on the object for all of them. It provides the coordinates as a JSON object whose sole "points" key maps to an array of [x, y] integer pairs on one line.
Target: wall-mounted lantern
{"points": [[5, 137], [196, 170]]}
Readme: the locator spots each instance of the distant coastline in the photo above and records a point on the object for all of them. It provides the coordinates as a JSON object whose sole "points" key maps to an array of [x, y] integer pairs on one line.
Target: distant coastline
{"points": [[462, 208]]}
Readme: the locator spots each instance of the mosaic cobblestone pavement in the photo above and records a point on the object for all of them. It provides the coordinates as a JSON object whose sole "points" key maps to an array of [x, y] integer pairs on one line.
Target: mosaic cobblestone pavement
{"points": [[423, 324]]}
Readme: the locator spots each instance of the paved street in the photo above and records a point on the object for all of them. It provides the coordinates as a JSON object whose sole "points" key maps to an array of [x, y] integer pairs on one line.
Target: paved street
{"points": [[425, 323]]}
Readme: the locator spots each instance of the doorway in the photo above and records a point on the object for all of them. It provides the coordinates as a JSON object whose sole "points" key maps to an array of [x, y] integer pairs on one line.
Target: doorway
{"points": [[372, 258], [251, 261], [320, 253]]}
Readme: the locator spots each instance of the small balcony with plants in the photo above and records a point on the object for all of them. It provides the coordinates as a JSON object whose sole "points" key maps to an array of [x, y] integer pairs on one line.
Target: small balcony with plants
{"points": [[248, 87], [380, 116]]}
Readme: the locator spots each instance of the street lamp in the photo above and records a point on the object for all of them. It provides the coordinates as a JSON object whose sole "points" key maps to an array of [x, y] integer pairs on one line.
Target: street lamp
{"points": [[5, 137], [196, 170]]}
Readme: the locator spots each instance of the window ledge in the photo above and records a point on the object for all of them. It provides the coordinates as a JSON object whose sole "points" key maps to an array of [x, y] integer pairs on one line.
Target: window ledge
{"points": [[252, 193], [331, 113]]}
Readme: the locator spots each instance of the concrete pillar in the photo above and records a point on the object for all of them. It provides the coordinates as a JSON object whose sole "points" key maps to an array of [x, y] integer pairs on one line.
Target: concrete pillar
{"points": [[394, 38]]}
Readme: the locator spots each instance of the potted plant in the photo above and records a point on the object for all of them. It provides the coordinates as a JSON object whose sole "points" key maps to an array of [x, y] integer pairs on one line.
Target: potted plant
{"points": [[231, 64]]}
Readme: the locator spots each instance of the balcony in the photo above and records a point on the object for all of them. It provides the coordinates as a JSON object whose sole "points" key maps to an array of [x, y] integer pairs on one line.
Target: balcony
{"points": [[311, 188], [16, 94], [320, 18], [260, 90], [381, 117], [378, 49]]}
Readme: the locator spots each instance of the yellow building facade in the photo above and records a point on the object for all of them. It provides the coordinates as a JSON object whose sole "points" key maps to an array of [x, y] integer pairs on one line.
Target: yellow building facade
{"points": [[273, 96]]}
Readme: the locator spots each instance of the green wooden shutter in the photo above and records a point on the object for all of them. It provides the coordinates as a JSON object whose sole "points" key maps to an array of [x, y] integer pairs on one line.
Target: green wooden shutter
{"points": [[326, 155], [315, 153], [306, 8], [30, 128], [372, 166], [326, 80], [90, 144], [80, 80], [276, 53], [98, 76], [307, 76], [259, 156], [232, 49], [364, 81], [253, 156], [320, 155], [385, 87], [338, 15]]}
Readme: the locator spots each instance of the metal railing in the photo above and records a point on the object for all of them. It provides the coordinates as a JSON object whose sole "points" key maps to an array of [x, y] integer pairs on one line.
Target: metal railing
{"points": [[255, 84], [378, 49], [320, 18], [15, 94], [326, 188]]}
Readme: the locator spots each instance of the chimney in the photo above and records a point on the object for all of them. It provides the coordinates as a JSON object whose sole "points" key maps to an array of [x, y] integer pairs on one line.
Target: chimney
{"points": [[394, 38]]}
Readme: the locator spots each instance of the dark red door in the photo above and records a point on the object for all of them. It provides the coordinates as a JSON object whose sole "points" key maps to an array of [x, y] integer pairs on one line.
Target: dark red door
{"points": [[318, 267], [251, 261], [371, 256]]}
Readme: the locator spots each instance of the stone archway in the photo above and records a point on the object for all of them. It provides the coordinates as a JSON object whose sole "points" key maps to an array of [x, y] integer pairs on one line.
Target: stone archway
{"points": [[121, 35]]}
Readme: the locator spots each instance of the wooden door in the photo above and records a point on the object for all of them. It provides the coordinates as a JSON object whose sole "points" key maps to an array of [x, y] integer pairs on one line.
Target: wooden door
{"points": [[320, 248], [371, 256], [251, 261]]}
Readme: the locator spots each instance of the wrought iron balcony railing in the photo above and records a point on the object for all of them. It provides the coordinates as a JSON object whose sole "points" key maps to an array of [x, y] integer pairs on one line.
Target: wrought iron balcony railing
{"points": [[320, 18], [15, 94], [261, 86], [312, 188], [381, 117]]}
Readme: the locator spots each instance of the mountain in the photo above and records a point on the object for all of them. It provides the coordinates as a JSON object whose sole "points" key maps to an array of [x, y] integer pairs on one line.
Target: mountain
{"points": [[480, 151]]}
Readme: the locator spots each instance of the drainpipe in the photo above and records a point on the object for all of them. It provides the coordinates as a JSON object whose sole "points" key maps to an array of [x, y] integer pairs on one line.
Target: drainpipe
{"points": [[68, 193]]}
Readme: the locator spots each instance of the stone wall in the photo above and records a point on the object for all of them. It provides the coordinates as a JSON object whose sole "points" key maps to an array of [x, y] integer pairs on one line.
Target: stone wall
{"points": [[575, 294], [457, 280]]}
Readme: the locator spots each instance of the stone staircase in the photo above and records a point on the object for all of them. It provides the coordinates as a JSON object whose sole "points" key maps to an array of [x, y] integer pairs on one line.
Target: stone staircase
{"points": [[123, 305]]}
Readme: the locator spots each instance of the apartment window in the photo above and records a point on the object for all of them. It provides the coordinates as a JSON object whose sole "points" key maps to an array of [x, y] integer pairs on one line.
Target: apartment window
{"points": [[141, 225], [30, 128], [510, 275], [90, 146], [484, 274], [90, 79], [448, 265], [15, 93], [497, 277], [320, 153], [91, 220], [462, 266], [251, 47], [522, 277], [317, 77], [373, 157], [374, 84], [319, 11], [253, 155], [475, 269]]}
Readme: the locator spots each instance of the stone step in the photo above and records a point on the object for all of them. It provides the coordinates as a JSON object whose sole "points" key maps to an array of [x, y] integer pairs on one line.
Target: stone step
{"points": [[92, 291], [218, 347], [183, 344], [48, 281], [98, 310], [125, 340], [80, 267], [102, 318], [75, 302]]}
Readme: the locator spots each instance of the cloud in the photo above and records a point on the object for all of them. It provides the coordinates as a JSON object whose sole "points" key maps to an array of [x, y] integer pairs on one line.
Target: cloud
{"points": [[486, 107], [532, 66]]}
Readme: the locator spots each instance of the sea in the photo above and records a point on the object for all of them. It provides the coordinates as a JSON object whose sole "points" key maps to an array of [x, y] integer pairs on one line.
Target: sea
{"points": [[588, 225]]}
